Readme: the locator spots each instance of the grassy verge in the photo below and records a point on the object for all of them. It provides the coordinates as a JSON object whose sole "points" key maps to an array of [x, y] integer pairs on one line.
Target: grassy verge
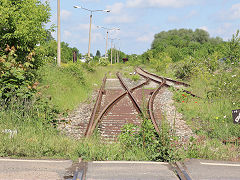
{"points": [[210, 117], [25, 126]]}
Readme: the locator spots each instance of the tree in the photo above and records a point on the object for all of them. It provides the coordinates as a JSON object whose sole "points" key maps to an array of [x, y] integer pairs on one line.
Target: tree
{"points": [[22, 25], [98, 53]]}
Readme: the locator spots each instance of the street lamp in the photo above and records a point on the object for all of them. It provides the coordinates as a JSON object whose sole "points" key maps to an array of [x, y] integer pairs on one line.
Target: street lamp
{"points": [[108, 29], [91, 11], [111, 47]]}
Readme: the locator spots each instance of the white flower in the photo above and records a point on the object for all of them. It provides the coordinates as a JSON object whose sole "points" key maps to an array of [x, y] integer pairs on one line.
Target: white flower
{"points": [[234, 75], [224, 116]]}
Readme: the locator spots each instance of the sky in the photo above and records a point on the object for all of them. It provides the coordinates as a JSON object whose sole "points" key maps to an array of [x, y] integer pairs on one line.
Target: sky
{"points": [[140, 20]]}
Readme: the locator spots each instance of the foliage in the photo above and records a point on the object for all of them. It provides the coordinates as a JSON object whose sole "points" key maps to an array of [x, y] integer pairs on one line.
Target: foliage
{"points": [[65, 86], [114, 55], [103, 62], [22, 25], [16, 78], [231, 49], [98, 53], [158, 147], [161, 61]]}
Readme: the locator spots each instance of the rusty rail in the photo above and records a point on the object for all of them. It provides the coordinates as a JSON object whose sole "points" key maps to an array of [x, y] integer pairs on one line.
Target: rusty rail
{"points": [[150, 106], [167, 79], [96, 106], [105, 110], [129, 94], [148, 75]]}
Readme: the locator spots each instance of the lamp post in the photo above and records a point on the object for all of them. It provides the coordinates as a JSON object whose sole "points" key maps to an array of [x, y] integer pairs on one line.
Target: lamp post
{"points": [[108, 30], [90, 26], [58, 35], [111, 48]]}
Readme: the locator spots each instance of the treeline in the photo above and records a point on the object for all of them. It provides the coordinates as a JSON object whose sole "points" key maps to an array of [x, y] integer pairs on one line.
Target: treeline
{"points": [[185, 45], [25, 46]]}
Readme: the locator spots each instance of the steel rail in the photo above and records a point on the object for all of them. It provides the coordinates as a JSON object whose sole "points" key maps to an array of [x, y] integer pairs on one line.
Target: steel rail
{"points": [[146, 74], [150, 106], [129, 94], [167, 79], [105, 110], [96, 106], [181, 172]]}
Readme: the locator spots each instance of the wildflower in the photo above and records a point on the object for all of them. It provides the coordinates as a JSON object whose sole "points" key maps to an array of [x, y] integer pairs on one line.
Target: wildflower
{"points": [[183, 101], [234, 75], [195, 101], [224, 116], [216, 117]]}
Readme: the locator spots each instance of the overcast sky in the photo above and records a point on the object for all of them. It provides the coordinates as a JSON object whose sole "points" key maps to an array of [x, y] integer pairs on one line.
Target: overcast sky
{"points": [[139, 20]]}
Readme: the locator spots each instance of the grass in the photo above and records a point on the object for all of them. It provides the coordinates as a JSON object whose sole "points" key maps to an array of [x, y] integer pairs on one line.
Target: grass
{"points": [[61, 89], [73, 84], [65, 88], [35, 139], [210, 117]]}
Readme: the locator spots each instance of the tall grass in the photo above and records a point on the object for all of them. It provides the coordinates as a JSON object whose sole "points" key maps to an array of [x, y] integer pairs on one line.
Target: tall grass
{"points": [[36, 139], [60, 89], [210, 116]]}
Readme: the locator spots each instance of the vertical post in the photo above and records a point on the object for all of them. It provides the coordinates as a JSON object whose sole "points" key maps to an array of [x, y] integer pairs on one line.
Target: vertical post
{"points": [[58, 36], [89, 43], [115, 54], [111, 50], [118, 51], [106, 45]]}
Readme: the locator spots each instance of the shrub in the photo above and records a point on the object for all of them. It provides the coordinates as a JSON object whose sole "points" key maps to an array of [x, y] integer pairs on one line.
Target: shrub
{"points": [[17, 79]]}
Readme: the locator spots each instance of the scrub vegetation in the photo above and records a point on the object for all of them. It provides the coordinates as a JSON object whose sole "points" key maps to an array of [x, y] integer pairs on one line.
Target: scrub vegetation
{"points": [[34, 92]]}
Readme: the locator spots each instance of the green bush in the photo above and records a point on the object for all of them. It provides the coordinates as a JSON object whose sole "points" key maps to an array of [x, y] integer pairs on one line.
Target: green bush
{"points": [[16, 79], [157, 147]]}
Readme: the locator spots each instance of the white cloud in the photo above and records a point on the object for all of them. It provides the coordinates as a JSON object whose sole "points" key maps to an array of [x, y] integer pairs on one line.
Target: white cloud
{"points": [[146, 38], [180, 19], [65, 15], [205, 28], [116, 8], [191, 14], [85, 27], [159, 3], [67, 34], [235, 11], [173, 19], [96, 37], [230, 14], [119, 19], [224, 29]]}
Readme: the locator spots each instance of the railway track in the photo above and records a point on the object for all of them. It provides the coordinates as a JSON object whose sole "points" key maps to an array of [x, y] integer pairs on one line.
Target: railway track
{"points": [[120, 107], [169, 82], [116, 107]]}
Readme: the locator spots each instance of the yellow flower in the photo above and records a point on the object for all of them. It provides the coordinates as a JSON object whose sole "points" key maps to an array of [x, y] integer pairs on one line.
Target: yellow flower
{"points": [[216, 117]]}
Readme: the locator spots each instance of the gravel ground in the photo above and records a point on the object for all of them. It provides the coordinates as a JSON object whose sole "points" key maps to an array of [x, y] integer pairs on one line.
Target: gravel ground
{"points": [[165, 102], [75, 124]]}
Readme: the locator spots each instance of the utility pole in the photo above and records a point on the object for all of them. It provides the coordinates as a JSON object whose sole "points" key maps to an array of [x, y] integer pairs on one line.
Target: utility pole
{"points": [[118, 53], [89, 42], [58, 36], [91, 11], [108, 30], [115, 54], [106, 45], [111, 50]]}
